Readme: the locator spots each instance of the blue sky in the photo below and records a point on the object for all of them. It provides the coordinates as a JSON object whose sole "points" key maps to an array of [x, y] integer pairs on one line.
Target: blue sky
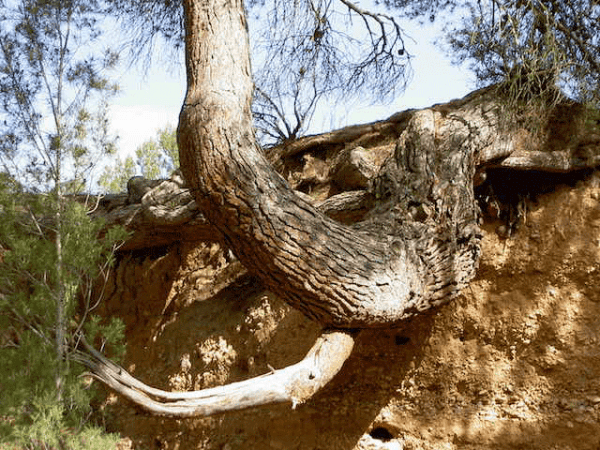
{"points": [[150, 101]]}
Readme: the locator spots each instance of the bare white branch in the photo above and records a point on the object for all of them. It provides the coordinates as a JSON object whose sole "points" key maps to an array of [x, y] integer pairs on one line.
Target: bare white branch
{"points": [[294, 384]]}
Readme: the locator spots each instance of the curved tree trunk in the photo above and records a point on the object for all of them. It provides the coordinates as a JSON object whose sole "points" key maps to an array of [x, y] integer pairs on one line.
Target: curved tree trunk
{"points": [[367, 276], [416, 249]]}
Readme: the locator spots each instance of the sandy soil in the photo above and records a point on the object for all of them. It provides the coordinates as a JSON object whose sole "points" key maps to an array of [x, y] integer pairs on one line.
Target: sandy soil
{"points": [[514, 363]]}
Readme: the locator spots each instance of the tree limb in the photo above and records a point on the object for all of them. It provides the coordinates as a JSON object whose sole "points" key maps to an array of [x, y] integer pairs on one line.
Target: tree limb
{"points": [[294, 384]]}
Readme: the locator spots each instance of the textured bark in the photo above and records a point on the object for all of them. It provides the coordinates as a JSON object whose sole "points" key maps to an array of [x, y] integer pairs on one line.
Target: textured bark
{"points": [[167, 212], [370, 276]]}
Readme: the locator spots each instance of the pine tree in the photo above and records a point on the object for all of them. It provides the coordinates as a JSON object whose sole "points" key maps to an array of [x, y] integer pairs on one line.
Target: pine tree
{"points": [[54, 127]]}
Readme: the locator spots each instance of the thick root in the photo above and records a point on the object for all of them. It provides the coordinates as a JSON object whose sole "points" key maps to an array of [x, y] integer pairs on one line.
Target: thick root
{"points": [[294, 384]]}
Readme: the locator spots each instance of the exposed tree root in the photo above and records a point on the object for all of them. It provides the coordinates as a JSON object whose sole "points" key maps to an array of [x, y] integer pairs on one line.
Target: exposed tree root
{"points": [[294, 384]]}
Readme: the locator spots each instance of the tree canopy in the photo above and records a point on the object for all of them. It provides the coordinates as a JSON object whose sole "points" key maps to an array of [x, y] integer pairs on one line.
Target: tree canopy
{"points": [[536, 47], [53, 92]]}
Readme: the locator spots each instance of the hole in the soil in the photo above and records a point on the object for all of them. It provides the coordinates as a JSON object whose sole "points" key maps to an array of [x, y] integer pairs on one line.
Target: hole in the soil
{"points": [[507, 193], [402, 340], [381, 433], [462, 387]]}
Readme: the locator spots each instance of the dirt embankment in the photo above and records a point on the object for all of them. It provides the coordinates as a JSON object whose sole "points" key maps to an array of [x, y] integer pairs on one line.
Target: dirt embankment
{"points": [[513, 363]]}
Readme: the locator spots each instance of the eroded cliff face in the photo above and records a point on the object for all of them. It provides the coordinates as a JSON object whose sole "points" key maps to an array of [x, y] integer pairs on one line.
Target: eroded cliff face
{"points": [[514, 362]]}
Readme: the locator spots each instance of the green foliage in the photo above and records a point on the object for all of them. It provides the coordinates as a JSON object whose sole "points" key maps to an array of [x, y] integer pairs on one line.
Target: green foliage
{"points": [[158, 157], [537, 53], [53, 94], [537, 50], [114, 178], [33, 418], [534, 47], [155, 158], [31, 412], [109, 334], [53, 110]]}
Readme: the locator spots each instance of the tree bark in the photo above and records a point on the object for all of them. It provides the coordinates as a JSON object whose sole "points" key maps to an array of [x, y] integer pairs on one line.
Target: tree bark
{"points": [[294, 384], [416, 249], [168, 213], [368, 276]]}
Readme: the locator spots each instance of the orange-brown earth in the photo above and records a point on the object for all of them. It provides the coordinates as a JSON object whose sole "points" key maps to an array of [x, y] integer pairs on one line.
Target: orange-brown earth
{"points": [[513, 363]]}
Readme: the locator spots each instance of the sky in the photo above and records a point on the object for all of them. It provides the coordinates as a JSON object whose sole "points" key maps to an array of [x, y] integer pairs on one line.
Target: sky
{"points": [[151, 100]]}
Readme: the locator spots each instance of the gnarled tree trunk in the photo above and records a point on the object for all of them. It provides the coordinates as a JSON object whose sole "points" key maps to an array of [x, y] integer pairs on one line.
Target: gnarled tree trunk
{"points": [[367, 276], [415, 250]]}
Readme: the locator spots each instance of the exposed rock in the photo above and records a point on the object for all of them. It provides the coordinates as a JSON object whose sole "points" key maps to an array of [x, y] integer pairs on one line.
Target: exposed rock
{"points": [[353, 170]]}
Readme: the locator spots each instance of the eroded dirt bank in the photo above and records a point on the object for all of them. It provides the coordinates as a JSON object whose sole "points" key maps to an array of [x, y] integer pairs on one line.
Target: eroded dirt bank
{"points": [[513, 363]]}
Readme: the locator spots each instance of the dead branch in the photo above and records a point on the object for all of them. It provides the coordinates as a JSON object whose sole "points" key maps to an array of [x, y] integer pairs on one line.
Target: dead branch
{"points": [[294, 384]]}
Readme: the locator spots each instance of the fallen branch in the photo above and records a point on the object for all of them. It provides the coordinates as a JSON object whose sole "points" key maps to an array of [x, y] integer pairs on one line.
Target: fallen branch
{"points": [[294, 384]]}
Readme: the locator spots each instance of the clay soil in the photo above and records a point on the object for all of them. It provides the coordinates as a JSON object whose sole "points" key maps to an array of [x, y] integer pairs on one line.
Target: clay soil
{"points": [[513, 363]]}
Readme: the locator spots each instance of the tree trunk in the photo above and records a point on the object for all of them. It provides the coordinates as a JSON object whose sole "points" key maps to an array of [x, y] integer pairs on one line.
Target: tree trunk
{"points": [[416, 249], [373, 275]]}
